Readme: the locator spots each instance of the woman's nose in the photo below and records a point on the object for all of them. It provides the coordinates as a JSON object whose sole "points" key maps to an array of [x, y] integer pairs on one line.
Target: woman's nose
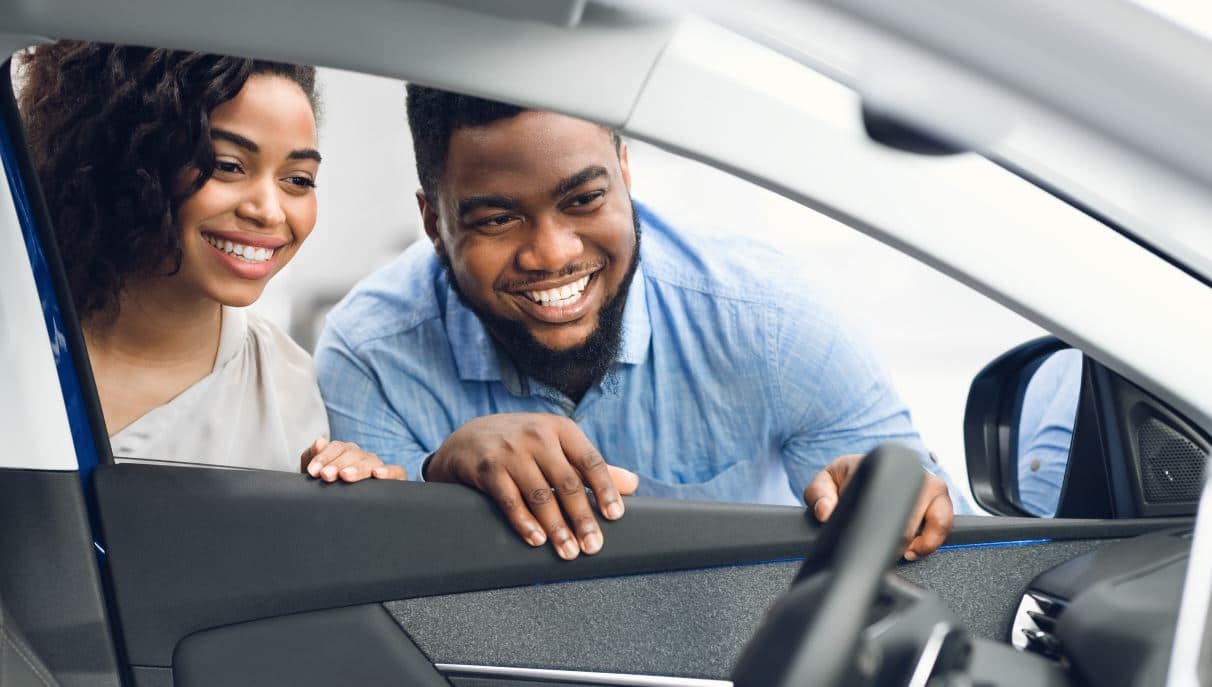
{"points": [[263, 205]]}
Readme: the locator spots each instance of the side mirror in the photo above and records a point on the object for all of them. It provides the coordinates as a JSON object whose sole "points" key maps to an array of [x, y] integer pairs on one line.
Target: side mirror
{"points": [[1040, 448], [1050, 432], [1019, 425]]}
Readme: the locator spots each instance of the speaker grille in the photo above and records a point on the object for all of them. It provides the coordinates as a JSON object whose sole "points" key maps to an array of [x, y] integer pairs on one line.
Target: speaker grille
{"points": [[1172, 465]]}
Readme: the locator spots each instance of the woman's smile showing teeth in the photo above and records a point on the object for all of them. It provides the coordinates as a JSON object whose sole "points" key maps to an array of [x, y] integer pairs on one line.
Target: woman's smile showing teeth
{"points": [[246, 253]]}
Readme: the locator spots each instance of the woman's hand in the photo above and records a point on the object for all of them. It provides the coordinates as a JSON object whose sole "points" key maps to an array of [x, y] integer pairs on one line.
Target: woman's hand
{"points": [[333, 460]]}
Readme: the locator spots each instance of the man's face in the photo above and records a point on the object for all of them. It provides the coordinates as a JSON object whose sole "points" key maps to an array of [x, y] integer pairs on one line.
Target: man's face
{"points": [[535, 221]]}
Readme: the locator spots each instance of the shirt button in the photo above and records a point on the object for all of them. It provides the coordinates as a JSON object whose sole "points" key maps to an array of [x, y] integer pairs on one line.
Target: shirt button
{"points": [[1035, 465]]}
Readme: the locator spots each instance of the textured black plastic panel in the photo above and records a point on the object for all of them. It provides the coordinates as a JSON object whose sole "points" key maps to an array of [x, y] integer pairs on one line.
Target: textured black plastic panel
{"points": [[690, 623]]}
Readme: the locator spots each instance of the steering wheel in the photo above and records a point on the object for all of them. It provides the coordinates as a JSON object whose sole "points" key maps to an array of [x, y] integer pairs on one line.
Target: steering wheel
{"points": [[811, 633]]}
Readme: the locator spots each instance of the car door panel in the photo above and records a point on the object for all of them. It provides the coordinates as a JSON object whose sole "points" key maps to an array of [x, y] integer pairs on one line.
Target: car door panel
{"points": [[62, 616], [357, 645], [678, 589], [690, 623], [20, 665], [191, 549]]}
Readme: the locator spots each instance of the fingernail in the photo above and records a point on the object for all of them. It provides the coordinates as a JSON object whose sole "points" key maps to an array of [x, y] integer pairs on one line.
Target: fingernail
{"points": [[592, 543], [312, 470], [910, 556], [614, 510], [330, 472], [823, 508], [568, 549], [351, 470], [536, 537]]}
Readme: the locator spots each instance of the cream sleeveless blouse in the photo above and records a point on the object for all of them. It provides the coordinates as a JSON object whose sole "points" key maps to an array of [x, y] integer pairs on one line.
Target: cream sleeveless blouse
{"points": [[259, 408]]}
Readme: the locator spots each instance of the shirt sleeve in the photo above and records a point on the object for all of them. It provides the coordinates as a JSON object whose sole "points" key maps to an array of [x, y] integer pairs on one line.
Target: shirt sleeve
{"points": [[836, 399], [358, 408]]}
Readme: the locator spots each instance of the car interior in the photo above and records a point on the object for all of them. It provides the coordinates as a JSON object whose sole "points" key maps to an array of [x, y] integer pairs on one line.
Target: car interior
{"points": [[154, 575]]}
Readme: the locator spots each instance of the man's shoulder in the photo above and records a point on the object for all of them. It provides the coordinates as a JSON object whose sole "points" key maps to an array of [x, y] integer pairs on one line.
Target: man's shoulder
{"points": [[734, 268], [394, 299]]}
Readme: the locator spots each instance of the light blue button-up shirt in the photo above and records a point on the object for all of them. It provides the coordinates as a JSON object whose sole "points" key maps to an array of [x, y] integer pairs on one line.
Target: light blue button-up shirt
{"points": [[735, 381]]}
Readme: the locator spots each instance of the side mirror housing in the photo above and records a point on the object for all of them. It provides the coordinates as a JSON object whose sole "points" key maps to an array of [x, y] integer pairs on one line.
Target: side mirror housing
{"points": [[1001, 460], [1050, 432]]}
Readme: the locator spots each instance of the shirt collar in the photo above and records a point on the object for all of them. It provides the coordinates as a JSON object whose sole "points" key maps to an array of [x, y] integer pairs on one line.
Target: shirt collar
{"points": [[637, 327], [477, 357]]}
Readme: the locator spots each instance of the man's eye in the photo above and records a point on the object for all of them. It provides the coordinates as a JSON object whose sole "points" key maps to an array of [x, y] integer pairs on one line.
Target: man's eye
{"points": [[496, 223], [585, 199]]}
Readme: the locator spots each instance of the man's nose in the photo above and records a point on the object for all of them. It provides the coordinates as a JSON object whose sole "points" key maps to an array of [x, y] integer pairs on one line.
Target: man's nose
{"points": [[263, 204], [552, 247]]}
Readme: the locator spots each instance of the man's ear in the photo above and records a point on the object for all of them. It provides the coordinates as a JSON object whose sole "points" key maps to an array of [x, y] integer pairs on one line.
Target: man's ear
{"points": [[429, 220], [624, 165]]}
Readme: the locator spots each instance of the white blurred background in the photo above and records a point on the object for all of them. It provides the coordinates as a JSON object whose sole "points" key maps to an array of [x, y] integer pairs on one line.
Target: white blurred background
{"points": [[934, 333]]}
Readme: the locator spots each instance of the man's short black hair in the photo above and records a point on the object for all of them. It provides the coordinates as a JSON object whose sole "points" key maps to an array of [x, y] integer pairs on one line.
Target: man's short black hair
{"points": [[434, 115]]}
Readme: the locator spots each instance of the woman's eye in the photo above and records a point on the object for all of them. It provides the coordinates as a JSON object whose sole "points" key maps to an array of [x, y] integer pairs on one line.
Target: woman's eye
{"points": [[301, 182], [228, 167]]}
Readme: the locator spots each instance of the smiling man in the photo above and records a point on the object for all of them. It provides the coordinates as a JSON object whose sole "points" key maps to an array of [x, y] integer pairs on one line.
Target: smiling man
{"points": [[535, 345]]}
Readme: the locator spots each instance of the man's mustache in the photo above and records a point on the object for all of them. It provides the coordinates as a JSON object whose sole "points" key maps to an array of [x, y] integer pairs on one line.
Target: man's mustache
{"points": [[537, 277]]}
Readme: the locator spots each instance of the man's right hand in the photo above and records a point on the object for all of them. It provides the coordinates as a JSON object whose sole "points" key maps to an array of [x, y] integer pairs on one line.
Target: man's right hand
{"points": [[536, 467]]}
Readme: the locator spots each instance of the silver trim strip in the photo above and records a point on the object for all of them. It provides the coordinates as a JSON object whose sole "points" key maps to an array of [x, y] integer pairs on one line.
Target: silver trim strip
{"points": [[1022, 621], [581, 676], [929, 657]]}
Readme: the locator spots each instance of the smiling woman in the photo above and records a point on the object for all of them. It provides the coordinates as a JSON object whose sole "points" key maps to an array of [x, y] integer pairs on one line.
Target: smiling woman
{"points": [[180, 184]]}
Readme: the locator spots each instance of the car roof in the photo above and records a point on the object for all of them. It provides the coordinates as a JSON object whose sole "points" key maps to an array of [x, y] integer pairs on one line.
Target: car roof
{"points": [[1106, 102]]}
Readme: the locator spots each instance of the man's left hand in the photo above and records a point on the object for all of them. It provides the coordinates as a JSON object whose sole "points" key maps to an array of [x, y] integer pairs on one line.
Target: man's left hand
{"points": [[928, 525]]}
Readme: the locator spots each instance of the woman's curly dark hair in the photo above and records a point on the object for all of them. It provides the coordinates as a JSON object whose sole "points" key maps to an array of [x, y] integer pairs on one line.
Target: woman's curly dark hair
{"points": [[114, 130]]}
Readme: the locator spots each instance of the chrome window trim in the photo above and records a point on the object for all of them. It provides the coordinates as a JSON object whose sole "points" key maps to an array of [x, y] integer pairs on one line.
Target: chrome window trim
{"points": [[579, 676]]}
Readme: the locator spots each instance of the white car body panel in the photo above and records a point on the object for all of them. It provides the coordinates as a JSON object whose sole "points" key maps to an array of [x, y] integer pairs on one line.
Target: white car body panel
{"points": [[967, 98], [33, 419], [596, 69]]}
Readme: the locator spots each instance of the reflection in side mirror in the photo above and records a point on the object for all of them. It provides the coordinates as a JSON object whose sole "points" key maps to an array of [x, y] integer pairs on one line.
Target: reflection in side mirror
{"points": [[1045, 431]]}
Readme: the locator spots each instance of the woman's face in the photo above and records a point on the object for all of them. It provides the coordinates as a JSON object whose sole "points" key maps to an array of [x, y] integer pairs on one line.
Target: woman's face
{"points": [[252, 215]]}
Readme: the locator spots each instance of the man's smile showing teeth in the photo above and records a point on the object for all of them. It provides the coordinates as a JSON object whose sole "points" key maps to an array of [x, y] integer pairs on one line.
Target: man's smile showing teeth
{"points": [[560, 295], [246, 253]]}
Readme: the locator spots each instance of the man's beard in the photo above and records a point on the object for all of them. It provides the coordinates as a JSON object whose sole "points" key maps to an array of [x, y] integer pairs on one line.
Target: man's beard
{"points": [[573, 370]]}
